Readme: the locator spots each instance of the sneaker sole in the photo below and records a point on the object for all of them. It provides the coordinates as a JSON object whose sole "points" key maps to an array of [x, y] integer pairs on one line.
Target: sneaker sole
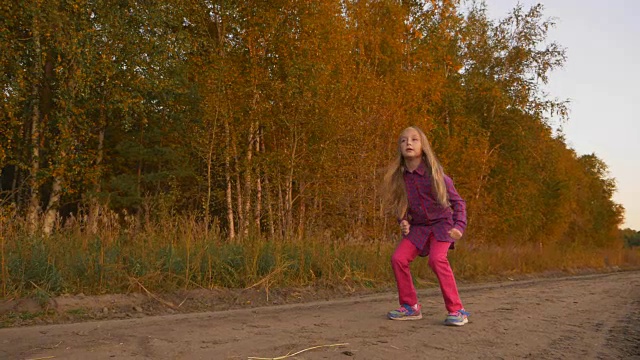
{"points": [[457, 323], [405, 318]]}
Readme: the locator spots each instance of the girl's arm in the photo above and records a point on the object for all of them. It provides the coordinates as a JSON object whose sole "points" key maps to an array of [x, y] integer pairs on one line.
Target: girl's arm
{"points": [[458, 205]]}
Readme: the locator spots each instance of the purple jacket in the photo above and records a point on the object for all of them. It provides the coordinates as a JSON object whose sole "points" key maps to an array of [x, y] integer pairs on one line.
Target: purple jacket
{"points": [[426, 215]]}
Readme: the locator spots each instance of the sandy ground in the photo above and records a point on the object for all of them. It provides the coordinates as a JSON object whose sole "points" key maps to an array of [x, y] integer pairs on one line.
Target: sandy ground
{"points": [[581, 317]]}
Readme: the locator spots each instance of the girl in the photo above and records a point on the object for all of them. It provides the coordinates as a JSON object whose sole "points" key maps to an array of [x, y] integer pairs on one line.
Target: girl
{"points": [[431, 215]]}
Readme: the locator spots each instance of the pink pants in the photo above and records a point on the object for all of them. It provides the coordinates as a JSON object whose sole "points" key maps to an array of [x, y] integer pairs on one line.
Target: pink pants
{"points": [[405, 253]]}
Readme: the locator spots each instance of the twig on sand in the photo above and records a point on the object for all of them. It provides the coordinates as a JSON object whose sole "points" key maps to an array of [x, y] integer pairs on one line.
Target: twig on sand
{"points": [[54, 346], [185, 299], [157, 298], [51, 347], [296, 353], [42, 358]]}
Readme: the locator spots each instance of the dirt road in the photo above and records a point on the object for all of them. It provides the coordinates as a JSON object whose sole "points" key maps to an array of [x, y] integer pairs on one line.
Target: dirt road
{"points": [[584, 317]]}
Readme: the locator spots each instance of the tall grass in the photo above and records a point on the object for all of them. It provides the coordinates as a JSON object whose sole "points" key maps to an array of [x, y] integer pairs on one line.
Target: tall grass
{"points": [[182, 253]]}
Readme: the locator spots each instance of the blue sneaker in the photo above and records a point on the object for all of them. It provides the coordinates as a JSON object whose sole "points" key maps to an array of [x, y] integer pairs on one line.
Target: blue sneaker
{"points": [[457, 318], [406, 312]]}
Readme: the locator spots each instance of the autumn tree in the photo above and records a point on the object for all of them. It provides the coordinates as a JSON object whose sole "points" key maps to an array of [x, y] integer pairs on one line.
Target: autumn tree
{"points": [[273, 119]]}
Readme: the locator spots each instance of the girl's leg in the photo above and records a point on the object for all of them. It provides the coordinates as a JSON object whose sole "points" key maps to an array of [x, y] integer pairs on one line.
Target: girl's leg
{"points": [[405, 253], [440, 265]]}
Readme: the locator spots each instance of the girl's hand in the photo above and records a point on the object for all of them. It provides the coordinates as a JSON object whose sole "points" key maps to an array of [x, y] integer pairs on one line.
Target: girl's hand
{"points": [[404, 226], [455, 234]]}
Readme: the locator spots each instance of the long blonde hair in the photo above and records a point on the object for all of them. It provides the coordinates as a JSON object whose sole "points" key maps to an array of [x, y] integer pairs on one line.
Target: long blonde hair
{"points": [[393, 189]]}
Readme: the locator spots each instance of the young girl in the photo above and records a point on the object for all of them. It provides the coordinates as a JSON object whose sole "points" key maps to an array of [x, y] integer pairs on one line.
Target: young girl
{"points": [[431, 215]]}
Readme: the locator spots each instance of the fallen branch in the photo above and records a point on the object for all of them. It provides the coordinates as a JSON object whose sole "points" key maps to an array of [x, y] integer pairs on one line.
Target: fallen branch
{"points": [[268, 276], [294, 354], [157, 298], [185, 299], [265, 280]]}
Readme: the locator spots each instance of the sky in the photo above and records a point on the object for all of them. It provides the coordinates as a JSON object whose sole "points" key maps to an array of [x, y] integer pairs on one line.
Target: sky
{"points": [[601, 79]]}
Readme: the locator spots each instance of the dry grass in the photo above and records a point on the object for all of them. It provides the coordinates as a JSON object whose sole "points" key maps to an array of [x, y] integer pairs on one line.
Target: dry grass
{"points": [[180, 253]]}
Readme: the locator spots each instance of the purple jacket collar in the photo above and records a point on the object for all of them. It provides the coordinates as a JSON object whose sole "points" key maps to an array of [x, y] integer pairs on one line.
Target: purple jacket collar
{"points": [[421, 169]]}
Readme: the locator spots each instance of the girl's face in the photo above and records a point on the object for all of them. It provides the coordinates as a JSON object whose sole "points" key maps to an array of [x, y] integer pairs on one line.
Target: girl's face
{"points": [[410, 144]]}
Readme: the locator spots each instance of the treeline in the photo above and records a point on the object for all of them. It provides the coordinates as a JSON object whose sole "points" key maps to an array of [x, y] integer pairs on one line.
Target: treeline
{"points": [[631, 237], [275, 117]]}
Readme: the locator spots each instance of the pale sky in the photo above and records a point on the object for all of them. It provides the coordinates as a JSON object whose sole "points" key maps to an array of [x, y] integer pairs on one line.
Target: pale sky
{"points": [[601, 79]]}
